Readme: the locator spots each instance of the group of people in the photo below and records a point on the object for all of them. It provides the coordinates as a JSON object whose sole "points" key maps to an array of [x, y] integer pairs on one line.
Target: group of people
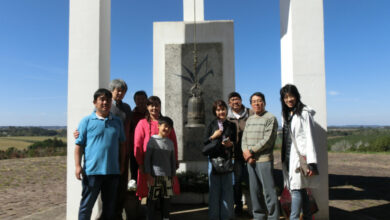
{"points": [[113, 138], [239, 145]]}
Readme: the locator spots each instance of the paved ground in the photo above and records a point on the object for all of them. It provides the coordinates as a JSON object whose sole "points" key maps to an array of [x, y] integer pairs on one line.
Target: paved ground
{"points": [[36, 188]]}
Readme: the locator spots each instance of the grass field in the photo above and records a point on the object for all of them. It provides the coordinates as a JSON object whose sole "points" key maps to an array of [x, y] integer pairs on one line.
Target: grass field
{"points": [[22, 142]]}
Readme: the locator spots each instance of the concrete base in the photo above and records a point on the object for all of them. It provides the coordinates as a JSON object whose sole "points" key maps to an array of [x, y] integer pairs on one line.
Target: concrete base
{"points": [[195, 166], [190, 198]]}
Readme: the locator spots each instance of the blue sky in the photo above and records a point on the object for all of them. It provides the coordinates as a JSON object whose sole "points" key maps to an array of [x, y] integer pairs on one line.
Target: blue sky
{"points": [[34, 54]]}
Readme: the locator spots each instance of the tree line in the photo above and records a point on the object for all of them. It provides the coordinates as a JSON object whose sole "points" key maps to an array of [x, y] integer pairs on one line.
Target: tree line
{"points": [[46, 148], [31, 131], [363, 139]]}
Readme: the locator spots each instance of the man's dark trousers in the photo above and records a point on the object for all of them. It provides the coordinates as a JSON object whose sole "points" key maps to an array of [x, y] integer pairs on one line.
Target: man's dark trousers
{"points": [[92, 186]]}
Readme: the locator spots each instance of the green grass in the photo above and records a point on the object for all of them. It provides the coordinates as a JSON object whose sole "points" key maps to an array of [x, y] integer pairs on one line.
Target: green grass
{"points": [[22, 142]]}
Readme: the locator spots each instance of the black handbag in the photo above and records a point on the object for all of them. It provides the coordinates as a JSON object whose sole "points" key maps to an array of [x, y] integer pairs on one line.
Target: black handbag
{"points": [[210, 148], [221, 165]]}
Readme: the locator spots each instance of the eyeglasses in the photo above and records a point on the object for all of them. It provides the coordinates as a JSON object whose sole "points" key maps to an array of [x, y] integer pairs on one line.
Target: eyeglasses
{"points": [[256, 101], [235, 99]]}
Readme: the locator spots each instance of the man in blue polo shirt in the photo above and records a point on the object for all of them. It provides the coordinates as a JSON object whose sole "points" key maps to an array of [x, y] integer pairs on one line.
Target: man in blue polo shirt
{"points": [[101, 137]]}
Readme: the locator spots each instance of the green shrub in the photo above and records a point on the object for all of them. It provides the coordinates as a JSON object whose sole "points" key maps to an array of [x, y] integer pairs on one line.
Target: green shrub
{"points": [[48, 147], [360, 140], [193, 182]]}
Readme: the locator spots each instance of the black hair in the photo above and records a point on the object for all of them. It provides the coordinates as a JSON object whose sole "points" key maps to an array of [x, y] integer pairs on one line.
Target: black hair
{"points": [[289, 88], [100, 92], [139, 93], [153, 100], [234, 94], [165, 120], [218, 103], [257, 94]]}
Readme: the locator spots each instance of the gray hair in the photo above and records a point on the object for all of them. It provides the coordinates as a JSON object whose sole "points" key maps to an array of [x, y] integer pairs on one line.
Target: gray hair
{"points": [[117, 84]]}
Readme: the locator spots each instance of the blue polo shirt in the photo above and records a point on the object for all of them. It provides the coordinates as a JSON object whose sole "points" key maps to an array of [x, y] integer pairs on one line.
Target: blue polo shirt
{"points": [[101, 138]]}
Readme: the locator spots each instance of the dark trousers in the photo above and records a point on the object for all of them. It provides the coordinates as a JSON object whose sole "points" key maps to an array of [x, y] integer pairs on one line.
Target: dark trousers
{"points": [[122, 190], [165, 205], [133, 167], [92, 185], [240, 174]]}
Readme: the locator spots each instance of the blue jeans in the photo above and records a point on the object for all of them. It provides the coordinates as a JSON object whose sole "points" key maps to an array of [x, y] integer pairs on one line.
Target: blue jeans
{"points": [[300, 201], [262, 189], [92, 185], [240, 174], [220, 196]]}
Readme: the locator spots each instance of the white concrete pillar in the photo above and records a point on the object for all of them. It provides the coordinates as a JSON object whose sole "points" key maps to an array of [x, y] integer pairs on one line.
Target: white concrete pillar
{"points": [[303, 64], [88, 70], [188, 10]]}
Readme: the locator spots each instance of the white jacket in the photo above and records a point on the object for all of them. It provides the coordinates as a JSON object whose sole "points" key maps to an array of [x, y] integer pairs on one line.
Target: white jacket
{"points": [[302, 128]]}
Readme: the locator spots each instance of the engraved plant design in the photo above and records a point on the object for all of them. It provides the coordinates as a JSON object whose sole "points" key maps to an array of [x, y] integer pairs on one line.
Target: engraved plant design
{"points": [[195, 79]]}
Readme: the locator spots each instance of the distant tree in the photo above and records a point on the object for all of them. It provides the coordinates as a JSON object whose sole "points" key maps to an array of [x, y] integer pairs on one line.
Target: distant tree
{"points": [[30, 131], [48, 147]]}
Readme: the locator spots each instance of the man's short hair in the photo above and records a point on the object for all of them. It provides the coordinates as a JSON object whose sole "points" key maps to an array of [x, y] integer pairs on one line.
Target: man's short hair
{"points": [[257, 94], [234, 94], [100, 92], [117, 84], [139, 93], [165, 120]]}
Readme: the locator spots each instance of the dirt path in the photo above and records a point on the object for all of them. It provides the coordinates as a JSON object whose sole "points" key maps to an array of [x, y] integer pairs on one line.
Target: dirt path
{"points": [[31, 185], [359, 186]]}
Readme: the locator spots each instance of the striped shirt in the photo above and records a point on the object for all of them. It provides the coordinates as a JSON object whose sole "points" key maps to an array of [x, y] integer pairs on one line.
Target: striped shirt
{"points": [[260, 135]]}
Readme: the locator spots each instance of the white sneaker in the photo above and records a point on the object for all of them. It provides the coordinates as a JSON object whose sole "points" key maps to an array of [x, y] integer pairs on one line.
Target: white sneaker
{"points": [[132, 185]]}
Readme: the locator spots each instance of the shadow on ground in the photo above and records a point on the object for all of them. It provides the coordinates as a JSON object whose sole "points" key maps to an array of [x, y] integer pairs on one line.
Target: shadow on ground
{"points": [[363, 197]]}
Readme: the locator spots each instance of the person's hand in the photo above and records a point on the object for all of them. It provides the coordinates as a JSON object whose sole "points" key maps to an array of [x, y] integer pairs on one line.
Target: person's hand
{"points": [[79, 172], [150, 179], [227, 143], [310, 172], [76, 134], [217, 134], [247, 154], [251, 161]]}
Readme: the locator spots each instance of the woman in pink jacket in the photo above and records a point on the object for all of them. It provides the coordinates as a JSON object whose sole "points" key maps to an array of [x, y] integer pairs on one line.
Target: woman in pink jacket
{"points": [[144, 130]]}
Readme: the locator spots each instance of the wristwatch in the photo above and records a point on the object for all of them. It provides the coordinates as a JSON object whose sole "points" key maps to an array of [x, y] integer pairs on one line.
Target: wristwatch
{"points": [[251, 151]]}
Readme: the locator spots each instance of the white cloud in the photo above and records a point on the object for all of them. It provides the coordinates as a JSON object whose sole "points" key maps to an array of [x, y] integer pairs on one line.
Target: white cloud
{"points": [[334, 93]]}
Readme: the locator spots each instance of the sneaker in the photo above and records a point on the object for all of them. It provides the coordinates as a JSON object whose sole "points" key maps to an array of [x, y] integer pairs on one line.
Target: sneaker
{"points": [[132, 185]]}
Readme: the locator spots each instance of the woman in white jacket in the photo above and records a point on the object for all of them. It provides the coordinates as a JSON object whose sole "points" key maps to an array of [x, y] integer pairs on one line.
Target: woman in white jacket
{"points": [[298, 119]]}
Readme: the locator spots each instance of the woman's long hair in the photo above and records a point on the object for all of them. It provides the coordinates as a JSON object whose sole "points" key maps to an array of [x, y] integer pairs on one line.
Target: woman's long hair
{"points": [[153, 100], [289, 88]]}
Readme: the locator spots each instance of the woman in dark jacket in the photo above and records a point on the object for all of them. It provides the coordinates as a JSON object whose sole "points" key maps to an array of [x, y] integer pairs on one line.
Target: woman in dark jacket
{"points": [[220, 138]]}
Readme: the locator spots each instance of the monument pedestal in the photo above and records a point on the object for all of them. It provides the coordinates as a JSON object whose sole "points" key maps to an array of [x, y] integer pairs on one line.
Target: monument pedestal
{"points": [[173, 77]]}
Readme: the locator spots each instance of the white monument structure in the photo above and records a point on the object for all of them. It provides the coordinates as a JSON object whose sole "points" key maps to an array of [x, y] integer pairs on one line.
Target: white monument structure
{"points": [[88, 70], [173, 57], [302, 63]]}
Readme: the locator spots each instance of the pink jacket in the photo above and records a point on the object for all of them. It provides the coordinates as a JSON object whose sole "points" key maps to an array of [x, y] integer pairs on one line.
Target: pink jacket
{"points": [[142, 134]]}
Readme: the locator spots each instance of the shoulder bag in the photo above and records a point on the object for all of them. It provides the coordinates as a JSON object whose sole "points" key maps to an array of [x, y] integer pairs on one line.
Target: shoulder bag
{"points": [[303, 167]]}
